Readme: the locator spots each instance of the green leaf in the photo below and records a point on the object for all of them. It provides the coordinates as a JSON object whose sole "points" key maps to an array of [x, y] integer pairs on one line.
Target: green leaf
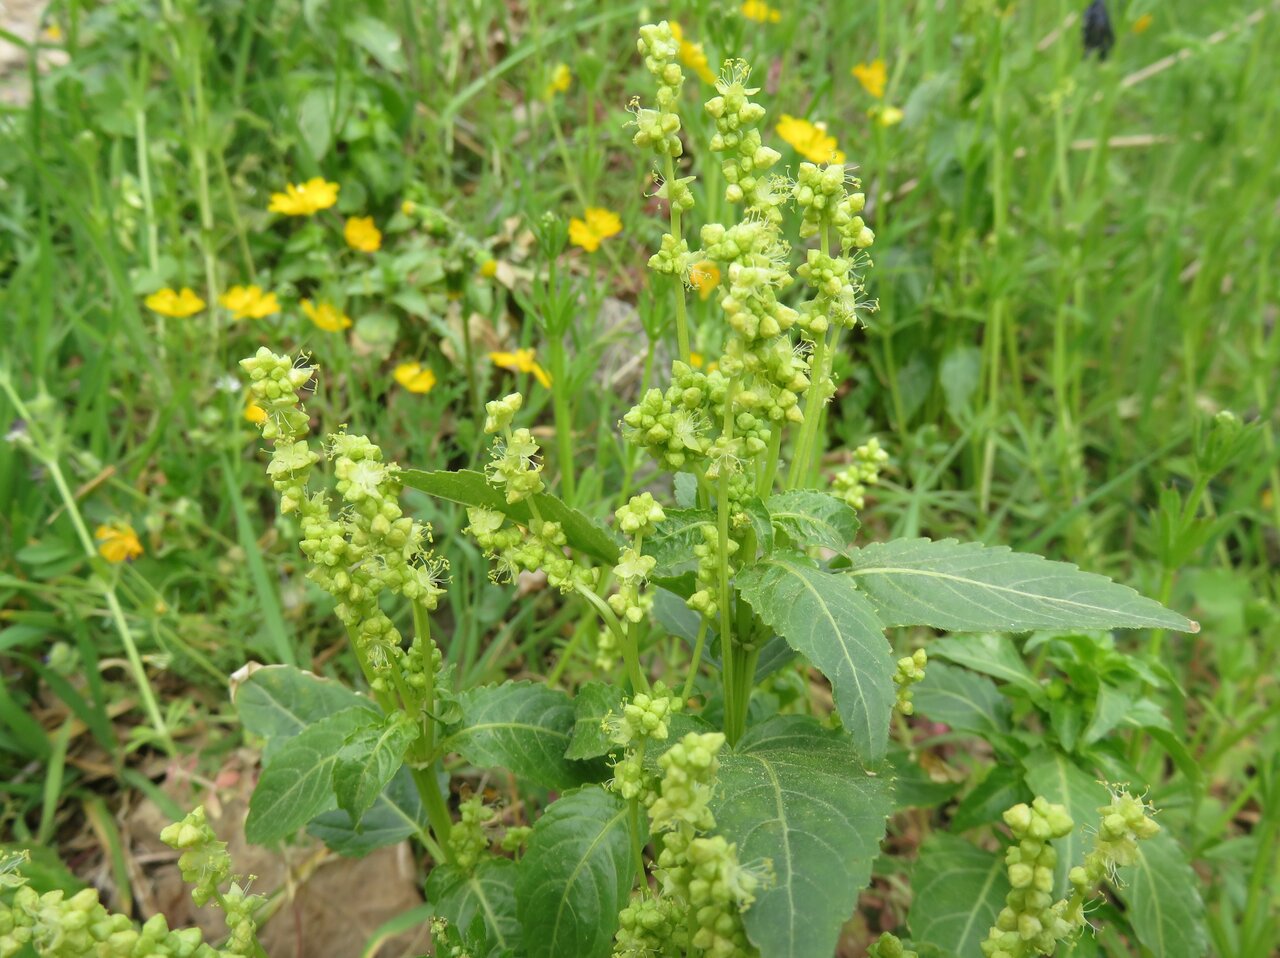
{"points": [[959, 587], [956, 892], [1109, 710], [278, 702], [991, 798], [369, 759], [298, 784], [470, 488], [961, 699], [1060, 780], [396, 815], [378, 40], [912, 785], [993, 655], [823, 617], [794, 794], [1162, 899], [811, 518], [576, 876], [489, 891], [523, 726], [594, 703], [673, 541]]}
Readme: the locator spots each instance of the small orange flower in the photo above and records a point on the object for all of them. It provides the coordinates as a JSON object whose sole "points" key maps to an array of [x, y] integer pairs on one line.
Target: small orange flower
{"points": [[117, 542], [326, 316], [305, 199], [178, 305], [415, 377], [522, 361], [598, 224], [361, 234]]}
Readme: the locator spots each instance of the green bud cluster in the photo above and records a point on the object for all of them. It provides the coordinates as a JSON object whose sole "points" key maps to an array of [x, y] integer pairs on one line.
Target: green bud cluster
{"points": [[851, 483], [515, 838], [1125, 821], [513, 551], [890, 946], [672, 425], [825, 203], [645, 716], [757, 270], [705, 598], [640, 516], [747, 160], [910, 670], [515, 465], [651, 925], [468, 837], [659, 129], [688, 772]]}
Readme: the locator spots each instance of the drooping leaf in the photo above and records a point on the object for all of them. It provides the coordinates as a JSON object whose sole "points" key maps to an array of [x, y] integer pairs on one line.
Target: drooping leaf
{"points": [[990, 654], [823, 617], [1162, 898], [795, 794], [957, 890], [575, 876], [298, 784], [368, 760], [397, 814], [470, 488], [488, 892], [961, 699], [1060, 780], [810, 518], [969, 587], [523, 726], [277, 702], [594, 703]]}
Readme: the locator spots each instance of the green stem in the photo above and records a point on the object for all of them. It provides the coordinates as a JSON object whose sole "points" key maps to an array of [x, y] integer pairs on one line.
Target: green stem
{"points": [[682, 317], [563, 419], [698, 645]]}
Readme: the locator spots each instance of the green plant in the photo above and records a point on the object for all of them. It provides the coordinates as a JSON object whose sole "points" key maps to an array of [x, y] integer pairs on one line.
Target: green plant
{"points": [[764, 817]]}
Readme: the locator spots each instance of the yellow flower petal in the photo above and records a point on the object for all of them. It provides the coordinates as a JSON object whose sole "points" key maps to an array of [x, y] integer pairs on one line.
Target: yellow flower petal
{"points": [[117, 542], [1143, 23], [361, 234], [704, 276], [326, 316], [561, 79], [253, 412], [692, 55], [760, 12], [597, 224], [886, 115], [305, 199], [810, 140], [249, 302], [872, 76], [415, 377], [522, 361], [178, 305]]}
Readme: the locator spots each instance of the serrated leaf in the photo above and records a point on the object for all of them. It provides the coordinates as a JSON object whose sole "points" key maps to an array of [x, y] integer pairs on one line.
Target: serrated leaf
{"points": [[397, 814], [795, 794], [523, 726], [959, 587], [823, 617], [277, 702], [488, 892], [811, 518], [594, 703], [298, 784], [1161, 894], [470, 488], [993, 655], [368, 760], [1060, 780], [961, 699], [576, 876], [956, 892]]}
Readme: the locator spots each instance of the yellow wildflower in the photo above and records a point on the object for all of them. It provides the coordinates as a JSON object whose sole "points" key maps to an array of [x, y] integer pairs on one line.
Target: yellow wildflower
{"points": [[305, 199], [810, 140], [117, 542], [522, 361], [489, 268], [361, 234], [560, 80], [179, 305], [692, 55], [886, 115], [697, 361], [760, 12], [598, 224], [872, 76], [253, 412], [53, 33], [408, 207], [327, 316], [415, 377], [705, 276], [1143, 23], [249, 302]]}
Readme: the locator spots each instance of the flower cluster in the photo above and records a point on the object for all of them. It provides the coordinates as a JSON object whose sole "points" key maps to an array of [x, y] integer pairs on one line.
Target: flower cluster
{"points": [[371, 547], [890, 946], [746, 160], [910, 670], [851, 483], [468, 837], [645, 716], [659, 129], [637, 519]]}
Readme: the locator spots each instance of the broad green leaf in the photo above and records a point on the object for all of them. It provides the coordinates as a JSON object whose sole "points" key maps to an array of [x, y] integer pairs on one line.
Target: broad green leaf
{"points": [[523, 726], [1162, 899], [470, 488], [961, 699], [969, 587], [576, 876], [277, 702], [396, 815], [957, 890], [796, 795], [823, 617], [1060, 780], [488, 891], [378, 40], [811, 518], [993, 655], [992, 797], [913, 787], [594, 703], [673, 541], [1109, 710], [298, 784], [368, 760]]}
